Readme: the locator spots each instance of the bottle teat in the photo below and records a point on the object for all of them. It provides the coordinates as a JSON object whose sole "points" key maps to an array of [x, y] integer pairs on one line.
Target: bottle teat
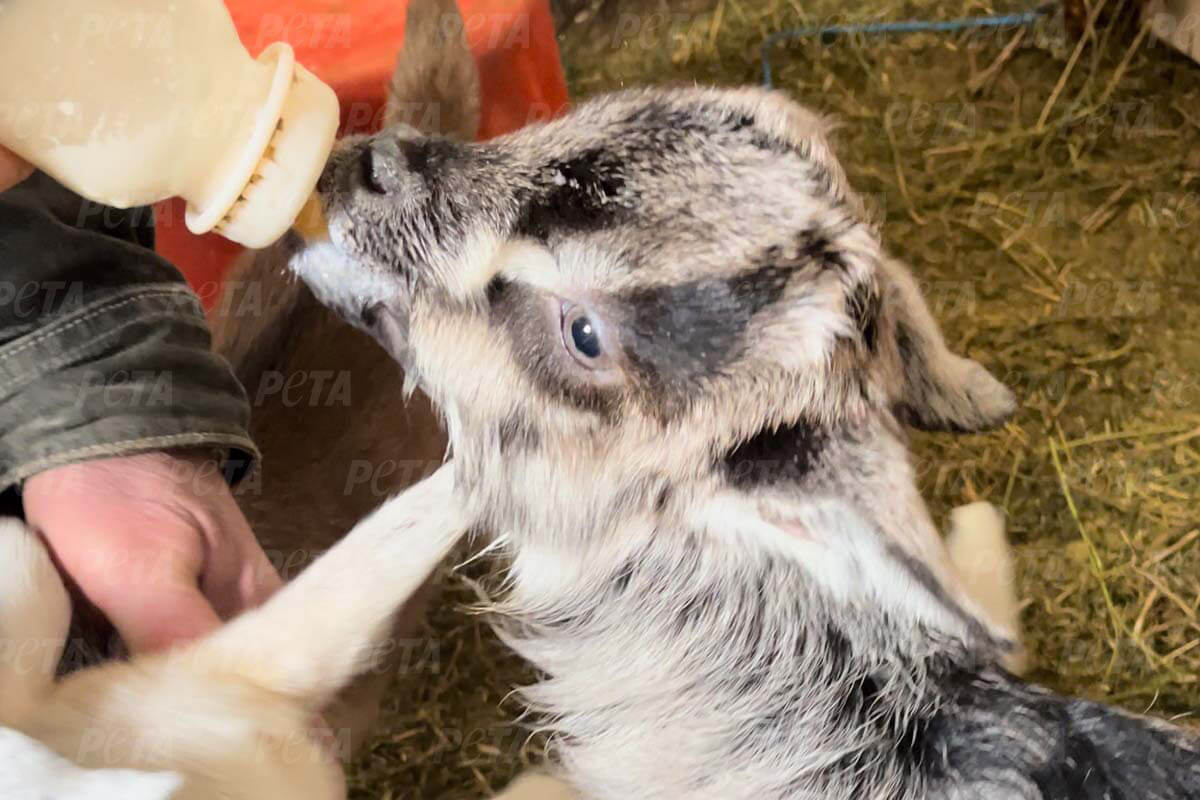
{"points": [[274, 176], [310, 222], [173, 106]]}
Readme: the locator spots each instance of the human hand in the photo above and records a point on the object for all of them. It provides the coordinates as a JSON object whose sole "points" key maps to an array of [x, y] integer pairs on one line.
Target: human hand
{"points": [[155, 540], [13, 169]]}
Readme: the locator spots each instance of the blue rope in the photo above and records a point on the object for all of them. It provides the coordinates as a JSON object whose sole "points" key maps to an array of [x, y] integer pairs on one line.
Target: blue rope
{"points": [[907, 26]]}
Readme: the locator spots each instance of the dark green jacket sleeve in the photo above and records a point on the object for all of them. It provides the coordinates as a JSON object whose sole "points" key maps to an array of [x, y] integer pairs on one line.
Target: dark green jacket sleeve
{"points": [[104, 350]]}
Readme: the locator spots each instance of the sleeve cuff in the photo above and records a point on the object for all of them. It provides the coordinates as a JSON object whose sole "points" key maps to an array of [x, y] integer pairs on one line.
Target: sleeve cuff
{"points": [[131, 373]]}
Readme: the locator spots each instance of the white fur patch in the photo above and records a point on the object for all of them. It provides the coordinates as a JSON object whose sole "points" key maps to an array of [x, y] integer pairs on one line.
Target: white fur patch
{"points": [[812, 324], [32, 771], [837, 547], [474, 266], [527, 262], [338, 281]]}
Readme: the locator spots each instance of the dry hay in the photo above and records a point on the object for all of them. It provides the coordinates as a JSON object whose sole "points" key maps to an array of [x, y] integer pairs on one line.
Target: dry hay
{"points": [[1051, 214]]}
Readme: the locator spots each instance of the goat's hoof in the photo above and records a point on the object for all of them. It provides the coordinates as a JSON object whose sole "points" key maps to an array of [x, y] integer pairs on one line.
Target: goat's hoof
{"points": [[980, 552], [537, 786]]}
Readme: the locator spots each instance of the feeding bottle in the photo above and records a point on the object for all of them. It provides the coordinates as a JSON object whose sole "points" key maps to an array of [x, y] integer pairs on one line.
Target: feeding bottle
{"points": [[128, 102]]}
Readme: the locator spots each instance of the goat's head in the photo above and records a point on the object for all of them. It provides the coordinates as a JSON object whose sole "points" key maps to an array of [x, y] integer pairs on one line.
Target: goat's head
{"points": [[639, 301]]}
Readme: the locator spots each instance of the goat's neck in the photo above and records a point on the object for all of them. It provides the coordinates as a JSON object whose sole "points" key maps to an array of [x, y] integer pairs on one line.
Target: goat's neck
{"points": [[738, 643], [857, 524], [854, 527], [720, 658]]}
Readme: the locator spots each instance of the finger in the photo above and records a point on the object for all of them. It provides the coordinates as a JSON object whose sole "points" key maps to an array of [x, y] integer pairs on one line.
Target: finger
{"points": [[153, 621], [238, 575], [261, 579], [13, 169]]}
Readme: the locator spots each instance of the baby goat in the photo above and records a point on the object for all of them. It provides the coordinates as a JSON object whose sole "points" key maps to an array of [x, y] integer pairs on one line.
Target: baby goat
{"points": [[675, 361]]}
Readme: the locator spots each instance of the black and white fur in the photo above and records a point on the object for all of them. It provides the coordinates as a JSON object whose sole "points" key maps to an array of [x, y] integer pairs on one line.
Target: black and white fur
{"points": [[720, 559]]}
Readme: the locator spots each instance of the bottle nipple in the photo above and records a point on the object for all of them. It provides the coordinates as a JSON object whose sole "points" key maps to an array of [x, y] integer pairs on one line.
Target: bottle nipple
{"points": [[273, 178], [310, 222]]}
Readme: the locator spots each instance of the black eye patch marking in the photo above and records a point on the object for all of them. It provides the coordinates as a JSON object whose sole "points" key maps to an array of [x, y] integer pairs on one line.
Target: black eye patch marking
{"points": [[775, 455], [682, 331], [676, 333], [577, 195]]}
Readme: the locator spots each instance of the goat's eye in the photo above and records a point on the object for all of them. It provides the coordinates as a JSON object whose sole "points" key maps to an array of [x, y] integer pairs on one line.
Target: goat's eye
{"points": [[585, 338], [582, 337]]}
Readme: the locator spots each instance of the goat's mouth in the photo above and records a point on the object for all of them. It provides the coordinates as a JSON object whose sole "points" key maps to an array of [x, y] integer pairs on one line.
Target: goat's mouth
{"points": [[344, 268], [389, 326], [368, 297]]}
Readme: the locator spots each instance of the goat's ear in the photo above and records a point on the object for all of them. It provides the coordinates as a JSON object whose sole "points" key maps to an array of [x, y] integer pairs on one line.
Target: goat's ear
{"points": [[937, 390], [435, 87]]}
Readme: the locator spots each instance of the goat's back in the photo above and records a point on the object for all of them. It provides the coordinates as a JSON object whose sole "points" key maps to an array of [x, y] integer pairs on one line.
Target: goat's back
{"points": [[994, 734]]}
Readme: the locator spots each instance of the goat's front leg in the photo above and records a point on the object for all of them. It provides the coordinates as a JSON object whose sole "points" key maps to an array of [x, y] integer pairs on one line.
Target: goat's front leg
{"points": [[325, 627], [35, 614]]}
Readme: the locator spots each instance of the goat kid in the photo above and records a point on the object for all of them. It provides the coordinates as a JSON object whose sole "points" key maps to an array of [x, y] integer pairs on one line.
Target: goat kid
{"points": [[675, 363]]}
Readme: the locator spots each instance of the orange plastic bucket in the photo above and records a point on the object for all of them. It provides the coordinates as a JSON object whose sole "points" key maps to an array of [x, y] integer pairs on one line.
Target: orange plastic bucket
{"points": [[352, 46]]}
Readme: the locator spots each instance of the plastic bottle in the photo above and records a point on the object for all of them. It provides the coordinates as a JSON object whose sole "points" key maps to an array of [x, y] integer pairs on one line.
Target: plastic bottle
{"points": [[128, 102]]}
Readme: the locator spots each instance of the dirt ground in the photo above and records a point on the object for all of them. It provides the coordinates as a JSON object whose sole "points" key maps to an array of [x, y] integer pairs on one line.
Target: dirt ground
{"points": [[1048, 197]]}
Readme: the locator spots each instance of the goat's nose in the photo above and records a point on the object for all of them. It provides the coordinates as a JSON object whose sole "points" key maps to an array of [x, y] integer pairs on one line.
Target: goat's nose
{"points": [[384, 168]]}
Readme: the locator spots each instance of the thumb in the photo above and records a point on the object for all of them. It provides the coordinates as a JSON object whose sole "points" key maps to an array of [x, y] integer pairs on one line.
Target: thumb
{"points": [[13, 169], [158, 616]]}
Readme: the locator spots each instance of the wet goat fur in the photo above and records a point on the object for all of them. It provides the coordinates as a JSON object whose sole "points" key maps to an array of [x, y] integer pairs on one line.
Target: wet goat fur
{"points": [[721, 563]]}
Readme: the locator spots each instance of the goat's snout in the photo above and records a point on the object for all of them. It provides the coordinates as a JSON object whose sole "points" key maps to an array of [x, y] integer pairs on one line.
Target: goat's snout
{"points": [[374, 167], [383, 169]]}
